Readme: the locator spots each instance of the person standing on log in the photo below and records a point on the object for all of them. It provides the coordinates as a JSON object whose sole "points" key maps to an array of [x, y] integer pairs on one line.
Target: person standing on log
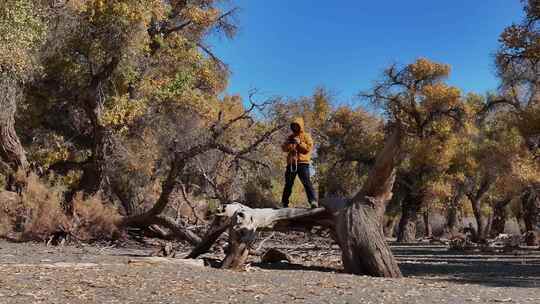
{"points": [[298, 146]]}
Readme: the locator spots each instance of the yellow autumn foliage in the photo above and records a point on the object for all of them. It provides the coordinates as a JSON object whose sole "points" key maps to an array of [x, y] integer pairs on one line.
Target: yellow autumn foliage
{"points": [[122, 112], [426, 69], [21, 33], [440, 97], [200, 16]]}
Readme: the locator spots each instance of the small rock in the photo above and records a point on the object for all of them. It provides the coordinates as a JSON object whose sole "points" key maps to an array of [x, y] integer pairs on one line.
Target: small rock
{"points": [[273, 255]]}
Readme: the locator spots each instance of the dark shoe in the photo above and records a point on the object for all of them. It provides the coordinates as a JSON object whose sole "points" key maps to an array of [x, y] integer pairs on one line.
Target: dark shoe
{"points": [[313, 205]]}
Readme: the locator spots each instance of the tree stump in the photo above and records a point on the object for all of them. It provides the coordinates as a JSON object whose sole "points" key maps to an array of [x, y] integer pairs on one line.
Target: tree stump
{"points": [[364, 250]]}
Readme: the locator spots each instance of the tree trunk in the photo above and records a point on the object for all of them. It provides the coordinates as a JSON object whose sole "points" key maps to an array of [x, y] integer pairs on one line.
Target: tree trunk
{"points": [[216, 229], [93, 173], [488, 225], [475, 197], [480, 221], [364, 250], [499, 217], [11, 149], [428, 231], [453, 218], [453, 221], [389, 226], [359, 228], [94, 107], [127, 198], [530, 200], [407, 223]]}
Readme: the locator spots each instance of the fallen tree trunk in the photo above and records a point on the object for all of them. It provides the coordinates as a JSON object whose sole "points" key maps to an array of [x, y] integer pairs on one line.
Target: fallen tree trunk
{"points": [[244, 222], [364, 248], [356, 224]]}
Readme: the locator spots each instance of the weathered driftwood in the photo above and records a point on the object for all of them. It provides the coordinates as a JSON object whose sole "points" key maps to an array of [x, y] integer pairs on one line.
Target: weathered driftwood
{"points": [[244, 222], [355, 224]]}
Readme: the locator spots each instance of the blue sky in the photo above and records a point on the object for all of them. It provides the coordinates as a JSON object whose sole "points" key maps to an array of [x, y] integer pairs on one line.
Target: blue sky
{"points": [[289, 47]]}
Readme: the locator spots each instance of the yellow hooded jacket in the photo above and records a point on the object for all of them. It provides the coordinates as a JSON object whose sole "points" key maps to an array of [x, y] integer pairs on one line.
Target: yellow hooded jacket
{"points": [[300, 153]]}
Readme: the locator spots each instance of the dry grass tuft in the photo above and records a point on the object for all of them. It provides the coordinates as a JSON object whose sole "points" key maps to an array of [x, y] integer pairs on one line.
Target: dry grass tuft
{"points": [[95, 219], [8, 200], [38, 213], [41, 209]]}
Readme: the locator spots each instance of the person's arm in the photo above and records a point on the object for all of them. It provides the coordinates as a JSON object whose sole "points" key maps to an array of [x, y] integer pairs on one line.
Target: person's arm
{"points": [[287, 146], [305, 147]]}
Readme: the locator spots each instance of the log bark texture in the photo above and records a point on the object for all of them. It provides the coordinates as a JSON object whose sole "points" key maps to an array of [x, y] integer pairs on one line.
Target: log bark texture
{"points": [[11, 149], [389, 226], [245, 222], [481, 221], [428, 231], [499, 217], [530, 200], [453, 217], [476, 196], [409, 216], [359, 229], [94, 107]]}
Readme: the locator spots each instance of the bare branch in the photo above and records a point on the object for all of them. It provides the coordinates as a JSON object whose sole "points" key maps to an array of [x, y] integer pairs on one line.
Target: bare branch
{"points": [[166, 32], [222, 23], [211, 54], [190, 203]]}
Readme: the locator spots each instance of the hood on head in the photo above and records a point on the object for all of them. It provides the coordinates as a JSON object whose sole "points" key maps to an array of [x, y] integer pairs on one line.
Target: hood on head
{"points": [[300, 122]]}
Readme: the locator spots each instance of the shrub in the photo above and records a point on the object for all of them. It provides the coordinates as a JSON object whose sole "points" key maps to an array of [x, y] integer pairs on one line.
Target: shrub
{"points": [[38, 213], [94, 219], [8, 200]]}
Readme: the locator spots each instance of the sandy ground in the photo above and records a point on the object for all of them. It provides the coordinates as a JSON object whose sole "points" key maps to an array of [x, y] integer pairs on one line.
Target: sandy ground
{"points": [[35, 273]]}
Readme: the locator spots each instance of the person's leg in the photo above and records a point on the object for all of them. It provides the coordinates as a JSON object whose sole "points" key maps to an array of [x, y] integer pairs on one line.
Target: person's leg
{"points": [[303, 174], [287, 190]]}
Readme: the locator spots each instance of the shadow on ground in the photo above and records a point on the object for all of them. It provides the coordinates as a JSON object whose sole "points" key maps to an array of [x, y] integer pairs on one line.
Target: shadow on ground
{"points": [[292, 266], [512, 269]]}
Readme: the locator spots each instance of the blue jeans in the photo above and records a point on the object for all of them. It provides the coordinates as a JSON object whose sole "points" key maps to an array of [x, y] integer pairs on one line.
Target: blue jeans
{"points": [[303, 173]]}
